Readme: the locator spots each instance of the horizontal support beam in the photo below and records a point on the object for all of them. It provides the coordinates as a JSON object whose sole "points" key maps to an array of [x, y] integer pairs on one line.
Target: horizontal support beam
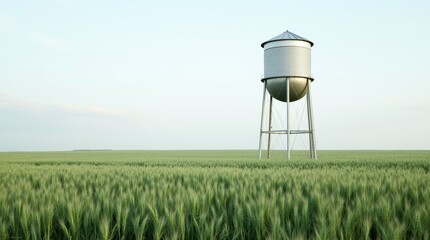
{"points": [[285, 131]]}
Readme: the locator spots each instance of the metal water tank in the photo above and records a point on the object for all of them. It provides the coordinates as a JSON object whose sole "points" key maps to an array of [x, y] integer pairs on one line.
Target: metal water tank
{"points": [[287, 56]]}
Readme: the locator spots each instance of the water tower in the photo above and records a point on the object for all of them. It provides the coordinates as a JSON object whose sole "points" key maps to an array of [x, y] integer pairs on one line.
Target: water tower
{"points": [[287, 78]]}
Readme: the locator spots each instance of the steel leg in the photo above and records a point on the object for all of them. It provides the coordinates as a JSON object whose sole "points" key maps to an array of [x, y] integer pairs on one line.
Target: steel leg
{"points": [[262, 120]]}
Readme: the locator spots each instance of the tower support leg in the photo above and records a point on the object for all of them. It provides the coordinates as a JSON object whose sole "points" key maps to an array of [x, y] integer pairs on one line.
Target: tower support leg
{"points": [[312, 148], [270, 127], [262, 120], [288, 118]]}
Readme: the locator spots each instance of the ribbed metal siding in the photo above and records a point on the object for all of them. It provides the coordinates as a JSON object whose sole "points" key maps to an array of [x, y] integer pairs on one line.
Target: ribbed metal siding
{"points": [[287, 58]]}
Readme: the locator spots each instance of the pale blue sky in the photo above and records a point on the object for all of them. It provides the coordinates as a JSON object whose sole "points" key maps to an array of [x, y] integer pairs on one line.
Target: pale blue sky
{"points": [[185, 74]]}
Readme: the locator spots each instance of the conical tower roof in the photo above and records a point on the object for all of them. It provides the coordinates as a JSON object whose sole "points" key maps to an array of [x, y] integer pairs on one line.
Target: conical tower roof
{"points": [[287, 36]]}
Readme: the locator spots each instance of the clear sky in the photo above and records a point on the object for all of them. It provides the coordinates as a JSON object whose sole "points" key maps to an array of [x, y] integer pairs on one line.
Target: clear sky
{"points": [[186, 74]]}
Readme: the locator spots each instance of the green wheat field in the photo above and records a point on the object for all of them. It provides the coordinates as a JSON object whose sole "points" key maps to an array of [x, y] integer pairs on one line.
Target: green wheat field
{"points": [[214, 195]]}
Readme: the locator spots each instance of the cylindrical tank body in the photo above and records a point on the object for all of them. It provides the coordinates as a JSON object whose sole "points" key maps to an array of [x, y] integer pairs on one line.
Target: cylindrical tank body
{"points": [[287, 56]]}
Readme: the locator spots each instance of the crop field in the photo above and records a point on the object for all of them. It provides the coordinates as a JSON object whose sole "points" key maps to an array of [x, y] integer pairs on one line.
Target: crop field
{"points": [[214, 195]]}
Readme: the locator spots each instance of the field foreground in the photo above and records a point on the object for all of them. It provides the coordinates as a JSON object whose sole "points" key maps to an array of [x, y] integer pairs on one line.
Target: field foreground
{"points": [[214, 195]]}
